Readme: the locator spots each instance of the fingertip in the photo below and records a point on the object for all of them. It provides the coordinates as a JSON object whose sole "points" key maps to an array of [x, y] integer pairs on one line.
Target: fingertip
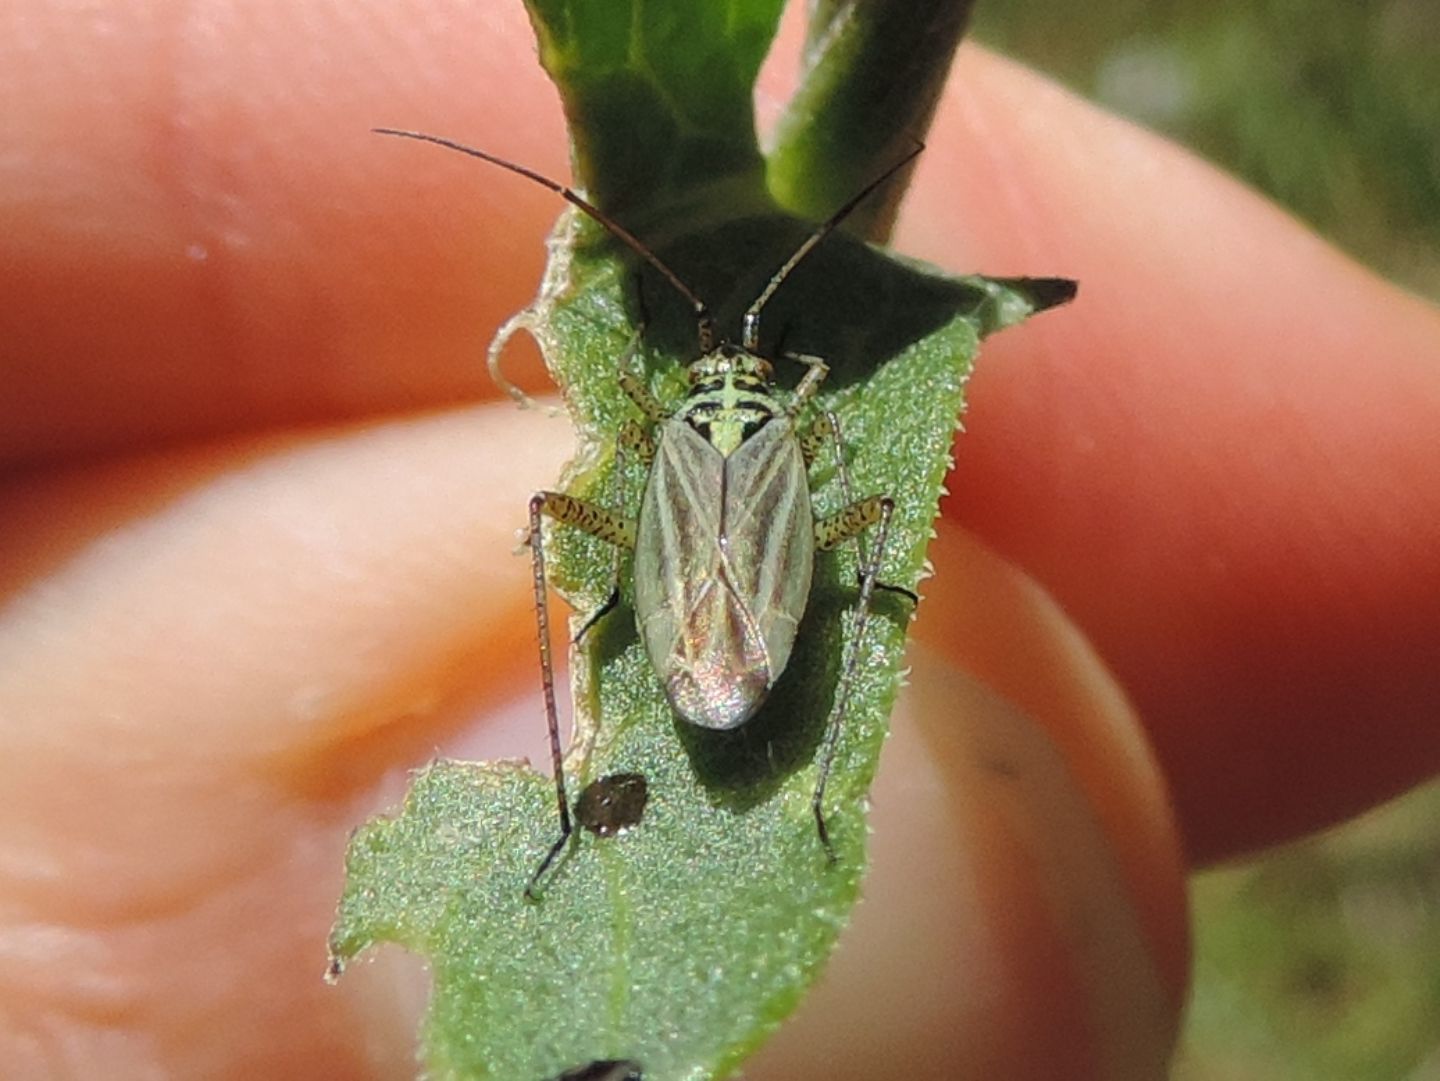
{"points": [[1219, 459], [208, 238], [1025, 914], [994, 937], [992, 620]]}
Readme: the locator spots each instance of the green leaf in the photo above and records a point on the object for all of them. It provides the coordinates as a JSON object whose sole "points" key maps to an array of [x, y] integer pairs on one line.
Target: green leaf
{"points": [[657, 92], [682, 943]]}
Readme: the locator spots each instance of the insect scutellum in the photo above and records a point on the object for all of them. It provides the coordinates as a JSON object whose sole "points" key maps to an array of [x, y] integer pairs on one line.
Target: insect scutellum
{"points": [[724, 543]]}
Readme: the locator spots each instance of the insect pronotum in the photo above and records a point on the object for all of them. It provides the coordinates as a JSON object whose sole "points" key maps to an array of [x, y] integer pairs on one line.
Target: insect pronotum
{"points": [[724, 544]]}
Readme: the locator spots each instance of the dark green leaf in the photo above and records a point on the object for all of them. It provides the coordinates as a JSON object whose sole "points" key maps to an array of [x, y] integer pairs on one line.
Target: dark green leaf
{"points": [[657, 92]]}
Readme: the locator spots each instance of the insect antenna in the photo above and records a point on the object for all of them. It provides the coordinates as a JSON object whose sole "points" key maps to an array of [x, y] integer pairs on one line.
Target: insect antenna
{"points": [[703, 319], [750, 327]]}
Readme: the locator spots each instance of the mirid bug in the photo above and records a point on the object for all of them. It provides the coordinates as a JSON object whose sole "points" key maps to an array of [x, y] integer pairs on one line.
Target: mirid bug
{"points": [[724, 544]]}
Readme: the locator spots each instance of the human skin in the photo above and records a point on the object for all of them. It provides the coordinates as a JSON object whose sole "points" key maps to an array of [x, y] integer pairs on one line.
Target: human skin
{"points": [[254, 561]]}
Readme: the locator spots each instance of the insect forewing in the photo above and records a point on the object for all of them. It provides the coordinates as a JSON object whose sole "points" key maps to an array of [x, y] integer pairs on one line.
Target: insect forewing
{"points": [[723, 564]]}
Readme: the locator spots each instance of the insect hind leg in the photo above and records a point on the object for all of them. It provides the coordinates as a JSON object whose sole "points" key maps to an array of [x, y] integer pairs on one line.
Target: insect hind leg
{"points": [[846, 523], [615, 529]]}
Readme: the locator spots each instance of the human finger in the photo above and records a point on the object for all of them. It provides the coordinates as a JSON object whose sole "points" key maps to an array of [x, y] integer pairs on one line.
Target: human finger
{"points": [[1220, 459], [203, 236], [217, 662]]}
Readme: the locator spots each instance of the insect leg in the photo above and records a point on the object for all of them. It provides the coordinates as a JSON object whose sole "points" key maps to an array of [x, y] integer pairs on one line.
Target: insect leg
{"points": [[644, 401], [637, 441], [633, 439], [837, 528], [815, 372], [814, 439], [610, 527], [827, 429], [750, 324]]}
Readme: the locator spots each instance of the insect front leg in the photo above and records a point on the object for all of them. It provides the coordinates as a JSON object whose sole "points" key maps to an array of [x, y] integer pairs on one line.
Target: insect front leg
{"points": [[640, 395], [614, 529], [850, 521], [815, 372]]}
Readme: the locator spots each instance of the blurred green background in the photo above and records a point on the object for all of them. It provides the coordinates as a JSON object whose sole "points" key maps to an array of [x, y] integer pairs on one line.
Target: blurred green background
{"points": [[1331, 109], [1319, 961]]}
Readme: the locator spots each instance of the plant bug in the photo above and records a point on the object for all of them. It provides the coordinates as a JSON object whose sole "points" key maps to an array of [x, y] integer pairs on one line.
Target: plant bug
{"points": [[724, 544]]}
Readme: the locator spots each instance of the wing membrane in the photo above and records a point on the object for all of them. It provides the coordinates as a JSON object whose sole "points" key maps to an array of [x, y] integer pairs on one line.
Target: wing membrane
{"points": [[722, 568]]}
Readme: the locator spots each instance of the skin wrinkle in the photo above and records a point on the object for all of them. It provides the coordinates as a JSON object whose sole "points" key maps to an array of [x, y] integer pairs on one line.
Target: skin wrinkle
{"points": [[217, 918]]}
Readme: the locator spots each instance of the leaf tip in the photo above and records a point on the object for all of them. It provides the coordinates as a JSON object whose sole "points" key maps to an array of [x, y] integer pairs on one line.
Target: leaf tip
{"points": [[1045, 293]]}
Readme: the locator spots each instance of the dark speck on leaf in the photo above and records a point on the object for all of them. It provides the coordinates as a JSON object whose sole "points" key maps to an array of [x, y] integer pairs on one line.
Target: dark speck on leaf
{"points": [[612, 805], [610, 1069]]}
